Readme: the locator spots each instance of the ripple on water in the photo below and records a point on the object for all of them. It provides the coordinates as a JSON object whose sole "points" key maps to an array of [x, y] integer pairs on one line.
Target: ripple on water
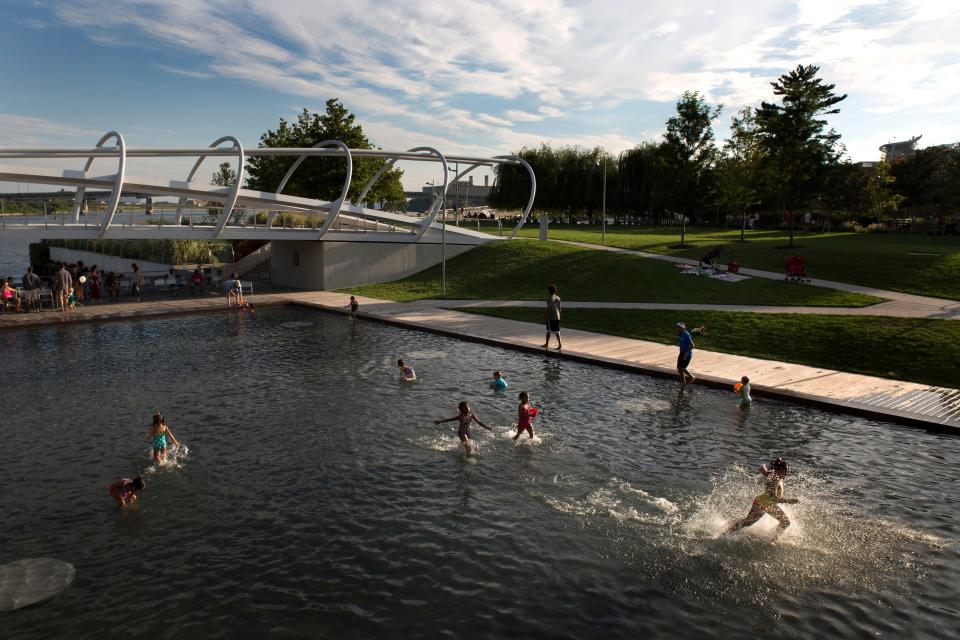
{"points": [[319, 499]]}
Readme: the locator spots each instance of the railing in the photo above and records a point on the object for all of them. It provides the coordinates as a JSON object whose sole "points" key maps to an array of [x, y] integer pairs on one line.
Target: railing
{"points": [[252, 260]]}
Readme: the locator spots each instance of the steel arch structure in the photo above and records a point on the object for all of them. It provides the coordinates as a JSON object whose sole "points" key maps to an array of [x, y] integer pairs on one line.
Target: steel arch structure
{"points": [[366, 222]]}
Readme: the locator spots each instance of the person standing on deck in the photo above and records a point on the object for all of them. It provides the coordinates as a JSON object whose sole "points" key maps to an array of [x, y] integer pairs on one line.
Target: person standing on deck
{"points": [[553, 316]]}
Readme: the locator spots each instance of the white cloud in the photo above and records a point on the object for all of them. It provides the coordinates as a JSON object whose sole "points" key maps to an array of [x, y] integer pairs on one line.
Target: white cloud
{"points": [[413, 65], [19, 130], [187, 73]]}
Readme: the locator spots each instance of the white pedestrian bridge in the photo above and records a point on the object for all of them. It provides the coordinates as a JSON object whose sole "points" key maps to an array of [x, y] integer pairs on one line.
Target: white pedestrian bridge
{"points": [[338, 220], [342, 243]]}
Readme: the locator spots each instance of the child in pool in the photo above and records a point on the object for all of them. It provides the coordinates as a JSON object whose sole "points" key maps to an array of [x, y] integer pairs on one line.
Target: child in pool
{"points": [[354, 306], [465, 417], [745, 399], [124, 491], [406, 371], [525, 414], [498, 382], [767, 501], [160, 432]]}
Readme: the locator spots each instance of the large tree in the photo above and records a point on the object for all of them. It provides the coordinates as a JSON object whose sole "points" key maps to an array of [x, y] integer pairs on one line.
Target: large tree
{"points": [[690, 153], [798, 148], [738, 170], [323, 177]]}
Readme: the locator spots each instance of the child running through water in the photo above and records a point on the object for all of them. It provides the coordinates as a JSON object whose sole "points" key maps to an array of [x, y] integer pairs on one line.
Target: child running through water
{"points": [[465, 417], [160, 432], [354, 307], [767, 501], [407, 374], [124, 491], [525, 416]]}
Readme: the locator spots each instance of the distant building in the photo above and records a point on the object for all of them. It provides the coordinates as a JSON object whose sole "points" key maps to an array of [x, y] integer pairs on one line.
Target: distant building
{"points": [[895, 151], [461, 194]]}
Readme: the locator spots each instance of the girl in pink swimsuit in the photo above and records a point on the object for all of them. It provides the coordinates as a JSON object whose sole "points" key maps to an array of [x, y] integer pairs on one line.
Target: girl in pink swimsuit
{"points": [[525, 416], [464, 417]]}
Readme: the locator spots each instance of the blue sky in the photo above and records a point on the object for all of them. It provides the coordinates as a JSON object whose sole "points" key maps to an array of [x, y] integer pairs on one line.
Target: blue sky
{"points": [[467, 77]]}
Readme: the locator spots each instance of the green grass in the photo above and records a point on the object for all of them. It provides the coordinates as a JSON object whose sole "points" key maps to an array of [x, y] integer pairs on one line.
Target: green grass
{"points": [[882, 260], [918, 350], [520, 270]]}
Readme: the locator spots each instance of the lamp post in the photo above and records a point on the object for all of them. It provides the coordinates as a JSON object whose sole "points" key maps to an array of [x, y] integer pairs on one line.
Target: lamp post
{"points": [[603, 216]]}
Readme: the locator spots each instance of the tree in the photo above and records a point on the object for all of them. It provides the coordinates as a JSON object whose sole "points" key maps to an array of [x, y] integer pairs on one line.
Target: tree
{"points": [[930, 180], [797, 149], [225, 176], [690, 153], [879, 193], [738, 170], [322, 177]]}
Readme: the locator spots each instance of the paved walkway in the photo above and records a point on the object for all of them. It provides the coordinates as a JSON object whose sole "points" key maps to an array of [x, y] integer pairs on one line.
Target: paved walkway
{"points": [[898, 304], [906, 402]]}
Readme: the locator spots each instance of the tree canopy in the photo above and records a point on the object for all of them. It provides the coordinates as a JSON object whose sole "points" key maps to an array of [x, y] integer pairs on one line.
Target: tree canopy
{"points": [[322, 177]]}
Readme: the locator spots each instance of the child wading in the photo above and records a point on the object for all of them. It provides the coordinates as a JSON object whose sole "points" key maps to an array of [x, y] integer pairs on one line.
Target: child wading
{"points": [[406, 371], [160, 432], [525, 416], [767, 501], [124, 491], [464, 417]]}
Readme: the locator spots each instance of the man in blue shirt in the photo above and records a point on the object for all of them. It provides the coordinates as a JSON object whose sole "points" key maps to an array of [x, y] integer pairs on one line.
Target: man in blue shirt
{"points": [[686, 352]]}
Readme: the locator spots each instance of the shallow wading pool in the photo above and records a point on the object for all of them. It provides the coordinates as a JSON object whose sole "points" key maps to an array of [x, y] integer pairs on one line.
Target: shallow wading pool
{"points": [[318, 498]]}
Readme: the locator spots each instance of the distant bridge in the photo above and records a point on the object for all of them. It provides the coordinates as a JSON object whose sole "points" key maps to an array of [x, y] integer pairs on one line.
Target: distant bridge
{"points": [[339, 220]]}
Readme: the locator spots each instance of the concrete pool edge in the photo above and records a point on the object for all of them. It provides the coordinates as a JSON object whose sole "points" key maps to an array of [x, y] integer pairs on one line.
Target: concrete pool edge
{"points": [[882, 399]]}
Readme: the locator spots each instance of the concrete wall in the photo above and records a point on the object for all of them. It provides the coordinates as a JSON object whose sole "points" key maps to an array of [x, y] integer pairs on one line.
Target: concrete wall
{"points": [[336, 265]]}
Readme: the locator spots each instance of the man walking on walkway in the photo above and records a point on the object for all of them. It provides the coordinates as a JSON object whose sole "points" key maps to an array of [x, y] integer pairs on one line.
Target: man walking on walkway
{"points": [[553, 316], [63, 282]]}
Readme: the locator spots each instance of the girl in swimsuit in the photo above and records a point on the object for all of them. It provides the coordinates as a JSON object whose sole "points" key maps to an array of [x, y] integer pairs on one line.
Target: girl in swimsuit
{"points": [[124, 491], [464, 417], [160, 432], [767, 501], [525, 414], [407, 373]]}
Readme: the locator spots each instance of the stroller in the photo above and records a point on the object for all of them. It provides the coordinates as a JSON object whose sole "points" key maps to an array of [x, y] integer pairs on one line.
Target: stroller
{"points": [[796, 267]]}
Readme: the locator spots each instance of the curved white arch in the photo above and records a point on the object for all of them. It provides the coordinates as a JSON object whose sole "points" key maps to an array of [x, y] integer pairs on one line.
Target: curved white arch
{"points": [[336, 204], [234, 191], [437, 200], [117, 183], [533, 193]]}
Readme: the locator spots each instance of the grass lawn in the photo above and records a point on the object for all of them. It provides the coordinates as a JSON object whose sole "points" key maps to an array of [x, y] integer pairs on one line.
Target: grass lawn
{"points": [[884, 260], [521, 270], [919, 350]]}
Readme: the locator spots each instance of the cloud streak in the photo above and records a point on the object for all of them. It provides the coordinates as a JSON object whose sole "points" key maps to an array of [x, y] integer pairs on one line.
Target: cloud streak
{"points": [[536, 66]]}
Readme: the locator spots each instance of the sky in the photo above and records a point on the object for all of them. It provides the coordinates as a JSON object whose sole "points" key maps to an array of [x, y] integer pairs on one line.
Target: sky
{"points": [[470, 77]]}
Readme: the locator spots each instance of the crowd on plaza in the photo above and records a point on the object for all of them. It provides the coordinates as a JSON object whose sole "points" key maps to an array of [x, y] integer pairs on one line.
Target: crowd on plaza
{"points": [[64, 287]]}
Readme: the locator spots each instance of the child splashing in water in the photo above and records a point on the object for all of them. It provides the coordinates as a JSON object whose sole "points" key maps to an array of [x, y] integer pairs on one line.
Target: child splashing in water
{"points": [[525, 415], [160, 432], [464, 417], [767, 501]]}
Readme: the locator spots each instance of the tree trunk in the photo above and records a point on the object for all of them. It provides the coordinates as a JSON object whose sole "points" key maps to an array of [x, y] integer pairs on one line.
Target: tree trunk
{"points": [[790, 226], [743, 224]]}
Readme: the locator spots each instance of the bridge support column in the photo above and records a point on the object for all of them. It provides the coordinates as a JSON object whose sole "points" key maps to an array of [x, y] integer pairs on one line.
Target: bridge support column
{"points": [[335, 265]]}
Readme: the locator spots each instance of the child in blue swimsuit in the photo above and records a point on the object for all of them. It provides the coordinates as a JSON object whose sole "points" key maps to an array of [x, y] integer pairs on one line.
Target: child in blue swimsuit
{"points": [[160, 432]]}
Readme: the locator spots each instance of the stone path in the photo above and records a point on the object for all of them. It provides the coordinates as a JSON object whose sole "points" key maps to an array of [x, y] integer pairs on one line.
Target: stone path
{"points": [[898, 304], [906, 402]]}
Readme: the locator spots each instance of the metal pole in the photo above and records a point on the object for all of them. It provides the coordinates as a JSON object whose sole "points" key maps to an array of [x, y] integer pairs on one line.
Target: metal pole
{"points": [[443, 255], [603, 222]]}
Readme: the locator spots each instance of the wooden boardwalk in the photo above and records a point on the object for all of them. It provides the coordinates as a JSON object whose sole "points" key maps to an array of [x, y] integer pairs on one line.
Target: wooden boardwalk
{"points": [[905, 402]]}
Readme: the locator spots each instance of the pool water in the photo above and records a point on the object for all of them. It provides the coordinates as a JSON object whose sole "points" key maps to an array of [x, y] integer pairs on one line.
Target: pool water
{"points": [[318, 499]]}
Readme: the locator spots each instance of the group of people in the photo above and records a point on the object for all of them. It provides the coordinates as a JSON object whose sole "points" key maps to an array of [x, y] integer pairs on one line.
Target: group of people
{"points": [[124, 490], [71, 285]]}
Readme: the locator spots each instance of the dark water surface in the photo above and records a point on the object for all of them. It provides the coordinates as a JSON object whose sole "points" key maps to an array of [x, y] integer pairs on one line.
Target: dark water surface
{"points": [[319, 500]]}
